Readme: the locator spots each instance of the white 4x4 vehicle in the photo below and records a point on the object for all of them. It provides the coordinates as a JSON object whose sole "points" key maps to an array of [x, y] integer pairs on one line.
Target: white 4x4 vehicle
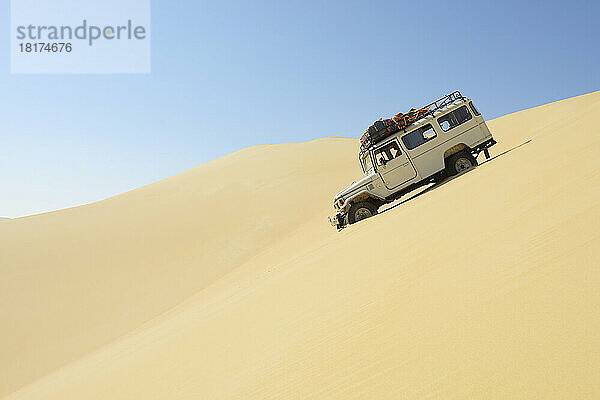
{"points": [[444, 141]]}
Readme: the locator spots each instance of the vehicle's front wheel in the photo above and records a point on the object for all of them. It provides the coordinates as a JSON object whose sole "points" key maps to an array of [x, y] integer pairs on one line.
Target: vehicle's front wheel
{"points": [[360, 211], [460, 162]]}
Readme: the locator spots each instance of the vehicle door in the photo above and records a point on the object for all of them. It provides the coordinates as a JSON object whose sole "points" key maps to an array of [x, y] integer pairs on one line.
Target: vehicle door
{"points": [[393, 165]]}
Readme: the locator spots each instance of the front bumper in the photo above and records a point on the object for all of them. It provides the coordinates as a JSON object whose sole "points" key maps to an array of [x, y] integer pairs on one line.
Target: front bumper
{"points": [[338, 221]]}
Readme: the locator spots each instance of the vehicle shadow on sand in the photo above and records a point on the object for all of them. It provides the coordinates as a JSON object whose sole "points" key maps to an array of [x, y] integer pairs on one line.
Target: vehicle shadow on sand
{"points": [[433, 186]]}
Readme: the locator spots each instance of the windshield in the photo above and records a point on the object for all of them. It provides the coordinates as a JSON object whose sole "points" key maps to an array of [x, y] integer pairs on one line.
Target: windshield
{"points": [[366, 163]]}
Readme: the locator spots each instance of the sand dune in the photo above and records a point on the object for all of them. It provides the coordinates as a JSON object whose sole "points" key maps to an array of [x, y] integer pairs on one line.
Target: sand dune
{"points": [[225, 282]]}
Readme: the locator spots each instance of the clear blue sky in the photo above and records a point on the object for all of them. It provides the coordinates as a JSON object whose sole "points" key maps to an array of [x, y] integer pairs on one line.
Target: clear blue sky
{"points": [[228, 75]]}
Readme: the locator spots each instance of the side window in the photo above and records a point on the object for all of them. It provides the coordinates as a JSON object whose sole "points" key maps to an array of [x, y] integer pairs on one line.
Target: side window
{"points": [[474, 109], [462, 114], [455, 118], [419, 136], [387, 153]]}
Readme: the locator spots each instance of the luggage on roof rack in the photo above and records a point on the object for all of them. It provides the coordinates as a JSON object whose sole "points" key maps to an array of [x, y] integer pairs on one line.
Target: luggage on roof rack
{"points": [[382, 128]]}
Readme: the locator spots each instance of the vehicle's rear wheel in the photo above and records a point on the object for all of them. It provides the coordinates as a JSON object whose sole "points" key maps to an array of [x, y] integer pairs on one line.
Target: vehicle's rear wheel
{"points": [[460, 162], [360, 211]]}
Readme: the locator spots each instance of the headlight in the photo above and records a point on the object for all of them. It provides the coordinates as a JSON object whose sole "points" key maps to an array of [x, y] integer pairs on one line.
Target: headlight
{"points": [[340, 202]]}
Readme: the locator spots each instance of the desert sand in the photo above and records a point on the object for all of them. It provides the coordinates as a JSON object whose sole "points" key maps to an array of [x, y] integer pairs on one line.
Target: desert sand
{"points": [[226, 281]]}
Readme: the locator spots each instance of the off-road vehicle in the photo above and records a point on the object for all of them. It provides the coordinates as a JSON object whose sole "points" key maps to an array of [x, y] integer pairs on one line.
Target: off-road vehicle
{"points": [[415, 149]]}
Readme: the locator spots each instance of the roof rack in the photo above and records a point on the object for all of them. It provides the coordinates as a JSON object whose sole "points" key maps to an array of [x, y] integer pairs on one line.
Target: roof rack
{"points": [[403, 121], [444, 101]]}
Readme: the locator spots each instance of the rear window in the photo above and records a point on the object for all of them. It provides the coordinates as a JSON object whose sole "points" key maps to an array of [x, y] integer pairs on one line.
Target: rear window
{"points": [[475, 111], [455, 118], [419, 136]]}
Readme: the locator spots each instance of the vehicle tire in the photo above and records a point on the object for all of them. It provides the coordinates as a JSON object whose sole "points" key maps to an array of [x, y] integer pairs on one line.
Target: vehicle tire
{"points": [[361, 210], [460, 162]]}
